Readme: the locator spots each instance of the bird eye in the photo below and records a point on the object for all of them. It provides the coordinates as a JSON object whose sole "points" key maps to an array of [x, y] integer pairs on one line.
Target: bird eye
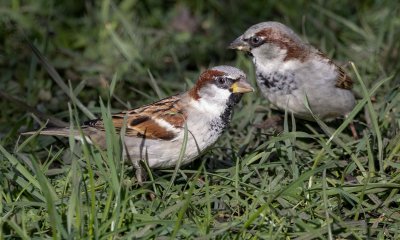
{"points": [[221, 80], [256, 41]]}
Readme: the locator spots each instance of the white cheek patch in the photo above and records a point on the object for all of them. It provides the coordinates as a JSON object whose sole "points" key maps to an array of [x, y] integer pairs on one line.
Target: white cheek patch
{"points": [[219, 95], [212, 101], [208, 92], [268, 58], [205, 107]]}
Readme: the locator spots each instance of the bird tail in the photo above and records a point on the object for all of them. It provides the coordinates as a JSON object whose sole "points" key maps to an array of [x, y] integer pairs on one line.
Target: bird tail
{"points": [[61, 132]]}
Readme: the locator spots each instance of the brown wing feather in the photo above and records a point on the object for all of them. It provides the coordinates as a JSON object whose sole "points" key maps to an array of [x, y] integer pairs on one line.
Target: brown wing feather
{"points": [[142, 121], [343, 80]]}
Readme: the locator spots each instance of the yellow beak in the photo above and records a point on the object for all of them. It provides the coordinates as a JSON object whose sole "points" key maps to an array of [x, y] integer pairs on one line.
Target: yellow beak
{"points": [[241, 86]]}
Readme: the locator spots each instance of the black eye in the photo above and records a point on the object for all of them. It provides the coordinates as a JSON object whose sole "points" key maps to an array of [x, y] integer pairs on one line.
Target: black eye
{"points": [[221, 80], [255, 41]]}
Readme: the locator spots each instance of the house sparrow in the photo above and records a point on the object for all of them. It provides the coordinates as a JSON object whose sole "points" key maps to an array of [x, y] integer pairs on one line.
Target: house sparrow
{"points": [[155, 132], [289, 71]]}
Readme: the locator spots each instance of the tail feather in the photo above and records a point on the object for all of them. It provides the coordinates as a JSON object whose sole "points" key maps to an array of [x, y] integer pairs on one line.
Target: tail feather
{"points": [[61, 132]]}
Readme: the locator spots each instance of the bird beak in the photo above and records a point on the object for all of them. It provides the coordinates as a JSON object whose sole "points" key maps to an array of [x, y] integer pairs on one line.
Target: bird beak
{"points": [[240, 45], [241, 86]]}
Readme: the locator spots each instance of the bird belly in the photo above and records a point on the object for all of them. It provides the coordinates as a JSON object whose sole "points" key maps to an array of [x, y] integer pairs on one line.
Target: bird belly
{"points": [[327, 104], [166, 154], [330, 103], [292, 103]]}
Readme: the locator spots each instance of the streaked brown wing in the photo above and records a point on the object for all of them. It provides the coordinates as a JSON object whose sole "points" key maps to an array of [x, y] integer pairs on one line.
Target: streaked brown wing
{"points": [[145, 121], [343, 80]]}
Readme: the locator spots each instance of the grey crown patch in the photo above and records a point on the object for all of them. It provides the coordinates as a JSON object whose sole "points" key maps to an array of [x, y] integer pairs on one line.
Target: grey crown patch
{"points": [[278, 82]]}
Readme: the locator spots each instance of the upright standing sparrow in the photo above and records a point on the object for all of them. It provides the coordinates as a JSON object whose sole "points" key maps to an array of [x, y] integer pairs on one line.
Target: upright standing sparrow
{"points": [[290, 71], [155, 132]]}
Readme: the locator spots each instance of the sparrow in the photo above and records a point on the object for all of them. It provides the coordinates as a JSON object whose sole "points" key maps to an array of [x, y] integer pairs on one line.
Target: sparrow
{"points": [[155, 133], [291, 72]]}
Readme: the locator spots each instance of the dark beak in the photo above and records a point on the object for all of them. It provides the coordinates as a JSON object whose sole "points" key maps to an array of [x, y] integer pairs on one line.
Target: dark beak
{"points": [[241, 86], [240, 45]]}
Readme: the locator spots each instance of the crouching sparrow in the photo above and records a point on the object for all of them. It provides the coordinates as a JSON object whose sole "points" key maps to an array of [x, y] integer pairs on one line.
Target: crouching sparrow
{"points": [[155, 132], [290, 72]]}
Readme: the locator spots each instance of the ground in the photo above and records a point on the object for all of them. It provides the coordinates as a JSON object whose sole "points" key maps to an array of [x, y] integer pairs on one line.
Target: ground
{"points": [[303, 180]]}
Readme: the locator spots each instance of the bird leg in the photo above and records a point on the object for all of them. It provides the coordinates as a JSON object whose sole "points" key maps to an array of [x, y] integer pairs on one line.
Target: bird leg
{"points": [[353, 130], [140, 174]]}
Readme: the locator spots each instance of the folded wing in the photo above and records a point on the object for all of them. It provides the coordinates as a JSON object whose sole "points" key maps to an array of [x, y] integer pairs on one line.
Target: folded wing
{"points": [[161, 120]]}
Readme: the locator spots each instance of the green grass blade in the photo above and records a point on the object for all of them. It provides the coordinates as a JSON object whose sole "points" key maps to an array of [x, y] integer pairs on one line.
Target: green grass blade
{"points": [[374, 118], [51, 198], [57, 78]]}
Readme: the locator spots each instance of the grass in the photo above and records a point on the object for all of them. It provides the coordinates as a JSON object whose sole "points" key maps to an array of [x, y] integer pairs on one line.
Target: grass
{"points": [[309, 181]]}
